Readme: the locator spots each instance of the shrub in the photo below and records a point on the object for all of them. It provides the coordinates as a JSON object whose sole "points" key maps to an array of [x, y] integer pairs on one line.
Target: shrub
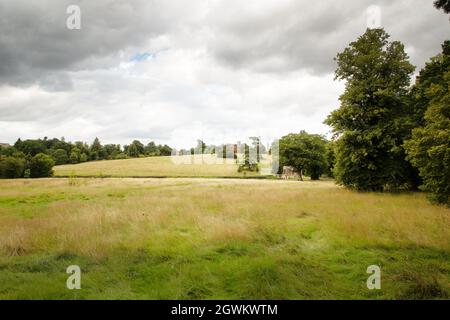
{"points": [[41, 166], [74, 156], [83, 157], [27, 173], [121, 156], [11, 167]]}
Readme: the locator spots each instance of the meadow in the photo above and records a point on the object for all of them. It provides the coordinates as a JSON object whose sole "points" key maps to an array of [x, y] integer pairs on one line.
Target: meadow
{"points": [[179, 166], [190, 238]]}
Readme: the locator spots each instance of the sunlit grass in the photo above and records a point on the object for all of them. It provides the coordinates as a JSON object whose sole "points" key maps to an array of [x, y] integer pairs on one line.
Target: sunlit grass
{"points": [[214, 238], [177, 166]]}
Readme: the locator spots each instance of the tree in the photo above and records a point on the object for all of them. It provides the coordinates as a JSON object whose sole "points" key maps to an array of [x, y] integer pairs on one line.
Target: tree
{"points": [[200, 148], [30, 147], [370, 123], [165, 150], [429, 147], [41, 166], [60, 156], [132, 151], [443, 4], [112, 150], [82, 146], [305, 153], [75, 155], [151, 149], [256, 144], [139, 146], [11, 167], [96, 150], [432, 74]]}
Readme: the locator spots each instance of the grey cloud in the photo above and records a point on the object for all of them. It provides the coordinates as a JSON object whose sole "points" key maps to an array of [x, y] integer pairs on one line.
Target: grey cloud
{"points": [[273, 37], [308, 35], [35, 43]]}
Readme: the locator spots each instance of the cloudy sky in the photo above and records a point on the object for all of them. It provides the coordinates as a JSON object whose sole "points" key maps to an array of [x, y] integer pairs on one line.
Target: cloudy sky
{"points": [[175, 70]]}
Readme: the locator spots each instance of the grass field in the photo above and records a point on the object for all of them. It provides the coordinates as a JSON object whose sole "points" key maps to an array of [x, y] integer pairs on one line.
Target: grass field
{"points": [[181, 166], [218, 238]]}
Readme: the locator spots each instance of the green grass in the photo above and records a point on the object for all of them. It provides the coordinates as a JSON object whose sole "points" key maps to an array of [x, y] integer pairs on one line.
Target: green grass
{"points": [[218, 239]]}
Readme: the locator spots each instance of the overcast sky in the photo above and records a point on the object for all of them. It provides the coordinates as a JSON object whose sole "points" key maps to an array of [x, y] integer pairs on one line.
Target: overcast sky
{"points": [[174, 71]]}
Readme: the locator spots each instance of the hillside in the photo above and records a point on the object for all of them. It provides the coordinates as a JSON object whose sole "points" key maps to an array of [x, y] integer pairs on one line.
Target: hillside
{"points": [[182, 166]]}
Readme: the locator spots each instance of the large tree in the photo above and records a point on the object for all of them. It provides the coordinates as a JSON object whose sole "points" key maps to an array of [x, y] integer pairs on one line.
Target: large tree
{"points": [[429, 148], [304, 152], [370, 124], [96, 150]]}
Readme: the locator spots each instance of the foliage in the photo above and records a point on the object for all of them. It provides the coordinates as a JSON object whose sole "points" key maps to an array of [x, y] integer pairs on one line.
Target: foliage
{"points": [[60, 156], [121, 156], [64, 152], [429, 147], [132, 151], [304, 152], [330, 155], [443, 4], [30, 147], [41, 166], [75, 155], [370, 123], [83, 157], [11, 167], [165, 150]]}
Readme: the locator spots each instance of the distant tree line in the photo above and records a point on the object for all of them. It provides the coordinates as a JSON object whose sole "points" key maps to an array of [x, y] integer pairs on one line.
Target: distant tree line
{"points": [[35, 158]]}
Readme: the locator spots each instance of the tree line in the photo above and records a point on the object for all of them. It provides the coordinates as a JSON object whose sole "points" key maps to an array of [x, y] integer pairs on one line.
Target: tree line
{"points": [[34, 158]]}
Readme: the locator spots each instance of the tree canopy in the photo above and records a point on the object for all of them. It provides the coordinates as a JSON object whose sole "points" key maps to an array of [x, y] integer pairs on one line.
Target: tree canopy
{"points": [[429, 147], [369, 125], [304, 152]]}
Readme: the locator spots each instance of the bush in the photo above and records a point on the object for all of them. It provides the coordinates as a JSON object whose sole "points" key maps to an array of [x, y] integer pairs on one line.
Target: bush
{"points": [[120, 156], [249, 167], [74, 157], [41, 166], [83, 157], [27, 173], [11, 167]]}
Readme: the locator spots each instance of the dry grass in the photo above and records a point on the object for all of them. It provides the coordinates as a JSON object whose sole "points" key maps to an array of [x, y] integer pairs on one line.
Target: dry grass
{"points": [[131, 211]]}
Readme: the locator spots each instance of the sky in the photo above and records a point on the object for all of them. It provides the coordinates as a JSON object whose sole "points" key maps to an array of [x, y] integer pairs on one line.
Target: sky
{"points": [[174, 71]]}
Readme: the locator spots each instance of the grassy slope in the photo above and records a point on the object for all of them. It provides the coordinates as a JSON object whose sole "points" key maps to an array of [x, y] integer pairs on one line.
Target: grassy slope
{"points": [[183, 166], [208, 238]]}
